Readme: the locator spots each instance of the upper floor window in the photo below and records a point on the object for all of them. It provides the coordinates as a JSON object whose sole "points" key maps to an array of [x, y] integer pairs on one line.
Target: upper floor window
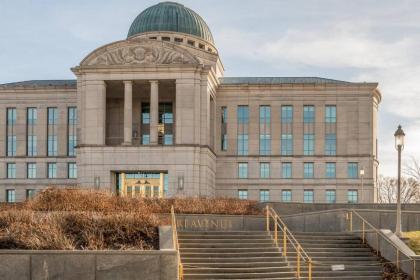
{"points": [[10, 195], [308, 196], [308, 114], [264, 195], [352, 196], [223, 132], [242, 136], [243, 170], [265, 130], [286, 144], [330, 170], [353, 170], [243, 194], [308, 170], [330, 144], [52, 131], [330, 196], [72, 131], [31, 132], [11, 170], [286, 195], [264, 170], [52, 170], [286, 114], [309, 144], [330, 114], [243, 114], [11, 133], [72, 170], [31, 170], [286, 170], [30, 193]]}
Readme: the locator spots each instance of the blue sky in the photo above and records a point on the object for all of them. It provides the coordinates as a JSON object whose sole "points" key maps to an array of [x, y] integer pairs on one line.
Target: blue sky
{"points": [[355, 40]]}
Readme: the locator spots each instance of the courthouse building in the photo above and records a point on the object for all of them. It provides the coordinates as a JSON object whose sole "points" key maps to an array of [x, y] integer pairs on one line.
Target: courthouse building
{"points": [[154, 115]]}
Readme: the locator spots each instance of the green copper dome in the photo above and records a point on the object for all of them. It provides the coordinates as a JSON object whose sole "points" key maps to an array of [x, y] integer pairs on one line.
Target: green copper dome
{"points": [[170, 16]]}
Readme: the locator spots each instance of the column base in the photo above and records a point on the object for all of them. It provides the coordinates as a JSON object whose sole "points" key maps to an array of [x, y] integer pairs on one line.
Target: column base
{"points": [[127, 144]]}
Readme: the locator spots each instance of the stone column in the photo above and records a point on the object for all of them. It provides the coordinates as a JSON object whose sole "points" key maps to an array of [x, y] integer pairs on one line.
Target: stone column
{"points": [[154, 112], [128, 112]]}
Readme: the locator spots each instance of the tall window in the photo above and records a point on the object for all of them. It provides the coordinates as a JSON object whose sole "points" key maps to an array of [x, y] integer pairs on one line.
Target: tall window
{"points": [[11, 170], [286, 195], [264, 170], [265, 130], [308, 144], [145, 123], [330, 170], [330, 144], [243, 170], [30, 193], [166, 120], [243, 194], [353, 170], [52, 131], [352, 196], [243, 120], [71, 127], [31, 170], [286, 170], [308, 170], [223, 132], [330, 196], [165, 182], [11, 132], [72, 170], [264, 195], [52, 170], [308, 114], [330, 114], [308, 196], [286, 130], [10, 195], [31, 118]]}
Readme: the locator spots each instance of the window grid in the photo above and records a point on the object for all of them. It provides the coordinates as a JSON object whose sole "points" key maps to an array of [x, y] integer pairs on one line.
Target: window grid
{"points": [[308, 196], [52, 131], [243, 121], [265, 130], [72, 131], [11, 133], [330, 196], [330, 170], [145, 123], [243, 170], [32, 119], [308, 144], [308, 170], [10, 195], [330, 144], [72, 170], [264, 195], [11, 170], [286, 170], [352, 196], [308, 114], [264, 170], [30, 193], [330, 114], [243, 194], [224, 139], [31, 170], [353, 170], [287, 144], [286, 196], [166, 119], [52, 170]]}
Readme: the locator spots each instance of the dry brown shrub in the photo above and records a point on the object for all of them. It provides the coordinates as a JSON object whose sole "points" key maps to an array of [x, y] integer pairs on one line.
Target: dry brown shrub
{"points": [[90, 200]]}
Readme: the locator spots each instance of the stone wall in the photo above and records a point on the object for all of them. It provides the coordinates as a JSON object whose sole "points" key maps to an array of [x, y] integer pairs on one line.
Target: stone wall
{"points": [[88, 265]]}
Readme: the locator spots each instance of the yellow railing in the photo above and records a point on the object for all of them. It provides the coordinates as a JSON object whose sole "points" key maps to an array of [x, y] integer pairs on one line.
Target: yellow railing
{"points": [[275, 225], [176, 244], [367, 228]]}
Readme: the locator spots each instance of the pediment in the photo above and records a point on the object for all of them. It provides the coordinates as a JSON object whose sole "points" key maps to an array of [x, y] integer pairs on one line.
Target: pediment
{"points": [[139, 52]]}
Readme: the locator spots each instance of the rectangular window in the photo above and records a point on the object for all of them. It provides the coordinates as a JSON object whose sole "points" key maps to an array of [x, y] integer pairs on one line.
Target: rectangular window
{"points": [[30, 193], [10, 196], [353, 170], [166, 120], [11, 170], [286, 195], [330, 196], [330, 170], [330, 144], [286, 170], [72, 131], [52, 131], [145, 123], [265, 130], [32, 118], [264, 170], [31, 170], [243, 194], [286, 114], [243, 170], [11, 133], [352, 196], [52, 170], [308, 170], [308, 144], [243, 120], [223, 133], [286, 144], [72, 170], [308, 114], [330, 114], [308, 196], [264, 195]]}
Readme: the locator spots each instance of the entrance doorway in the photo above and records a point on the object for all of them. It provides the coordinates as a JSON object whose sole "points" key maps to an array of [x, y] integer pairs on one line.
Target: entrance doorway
{"points": [[142, 184]]}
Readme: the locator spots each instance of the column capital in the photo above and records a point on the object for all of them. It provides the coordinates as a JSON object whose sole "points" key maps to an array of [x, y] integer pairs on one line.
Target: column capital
{"points": [[153, 81], [128, 82]]}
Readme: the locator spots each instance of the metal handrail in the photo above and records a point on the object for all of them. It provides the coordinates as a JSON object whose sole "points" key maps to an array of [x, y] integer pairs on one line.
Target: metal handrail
{"points": [[176, 243], [378, 233], [288, 236]]}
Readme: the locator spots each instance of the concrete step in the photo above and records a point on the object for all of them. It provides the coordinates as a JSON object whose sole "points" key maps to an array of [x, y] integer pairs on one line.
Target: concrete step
{"points": [[260, 232], [248, 269], [249, 275], [229, 250], [241, 241], [216, 237], [245, 265], [226, 245], [191, 260]]}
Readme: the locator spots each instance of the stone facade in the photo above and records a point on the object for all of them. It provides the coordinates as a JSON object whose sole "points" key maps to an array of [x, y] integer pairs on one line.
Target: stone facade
{"points": [[121, 92]]}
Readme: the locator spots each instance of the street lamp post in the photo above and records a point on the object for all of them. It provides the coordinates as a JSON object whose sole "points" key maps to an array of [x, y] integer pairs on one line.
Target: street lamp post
{"points": [[362, 173], [399, 145]]}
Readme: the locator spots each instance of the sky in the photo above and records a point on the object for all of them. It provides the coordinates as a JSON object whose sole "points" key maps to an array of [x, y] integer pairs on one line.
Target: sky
{"points": [[352, 40]]}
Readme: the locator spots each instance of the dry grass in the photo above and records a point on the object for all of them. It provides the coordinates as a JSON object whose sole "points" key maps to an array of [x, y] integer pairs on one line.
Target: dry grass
{"points": [[73, 219], [414, 241]]}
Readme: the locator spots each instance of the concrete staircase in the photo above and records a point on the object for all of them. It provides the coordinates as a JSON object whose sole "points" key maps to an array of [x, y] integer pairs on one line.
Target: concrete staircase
{"points": [[231, 255], [252, 255], [339, 248]]}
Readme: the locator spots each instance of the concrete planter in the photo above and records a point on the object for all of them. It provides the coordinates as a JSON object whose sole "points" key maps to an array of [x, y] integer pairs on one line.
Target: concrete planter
{"points": [[88, 265]]}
